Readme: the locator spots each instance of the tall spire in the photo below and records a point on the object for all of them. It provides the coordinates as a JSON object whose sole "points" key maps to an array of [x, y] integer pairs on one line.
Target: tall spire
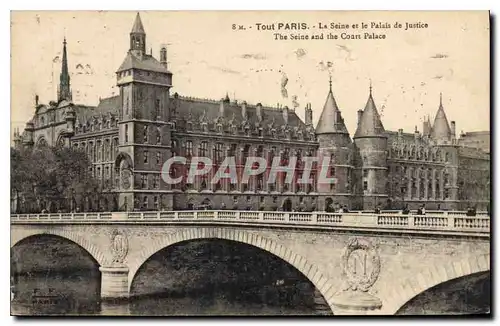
{"points": [[138, 36], [138, 28], [64, 79]]}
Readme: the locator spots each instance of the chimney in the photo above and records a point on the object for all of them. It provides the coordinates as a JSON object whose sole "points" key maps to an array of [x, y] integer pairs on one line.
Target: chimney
{"points": [[221, 108], [400, 133], [258, 110], [360, 114], [163, 56], [244, 109], [285, 114], [36, 100], [308, 114], [453, 129]]}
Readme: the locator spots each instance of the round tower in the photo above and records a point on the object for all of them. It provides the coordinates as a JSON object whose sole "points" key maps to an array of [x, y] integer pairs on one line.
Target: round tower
{"points": [[335, 144], [370, 141]]}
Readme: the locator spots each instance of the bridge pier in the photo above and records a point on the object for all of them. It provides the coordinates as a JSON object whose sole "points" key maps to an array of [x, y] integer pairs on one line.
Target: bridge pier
{"points": [[114, 282], [356, 303]]}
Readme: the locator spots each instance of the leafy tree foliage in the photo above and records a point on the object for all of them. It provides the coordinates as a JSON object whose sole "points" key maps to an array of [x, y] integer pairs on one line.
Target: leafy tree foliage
{"points": [[51, 179]]}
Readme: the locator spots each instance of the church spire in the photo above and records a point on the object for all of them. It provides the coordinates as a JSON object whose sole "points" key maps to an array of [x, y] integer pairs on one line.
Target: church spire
{"points": [[138, 36], [64, 79]]}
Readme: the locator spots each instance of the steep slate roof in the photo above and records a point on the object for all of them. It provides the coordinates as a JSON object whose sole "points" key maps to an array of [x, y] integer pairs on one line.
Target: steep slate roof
{"points": [[105, 106], [186, 106], [331, 120], [441, 128], [394, 136], [146, 62], [109, 105], [370, 124]]}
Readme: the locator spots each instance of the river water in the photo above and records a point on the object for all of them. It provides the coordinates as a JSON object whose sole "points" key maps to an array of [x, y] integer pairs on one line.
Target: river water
{"points": [[68, 295]]}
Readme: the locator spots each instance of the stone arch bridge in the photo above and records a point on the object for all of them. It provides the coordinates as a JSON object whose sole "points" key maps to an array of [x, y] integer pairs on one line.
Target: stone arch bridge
{"points": [[360, 263]]}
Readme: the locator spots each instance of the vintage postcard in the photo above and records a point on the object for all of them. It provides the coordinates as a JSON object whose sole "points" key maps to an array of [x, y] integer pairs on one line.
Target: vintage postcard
{"points": [[250, 163]]}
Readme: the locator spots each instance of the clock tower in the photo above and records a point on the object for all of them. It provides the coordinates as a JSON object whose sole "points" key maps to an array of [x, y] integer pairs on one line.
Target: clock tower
{"points": [[144, 131]]}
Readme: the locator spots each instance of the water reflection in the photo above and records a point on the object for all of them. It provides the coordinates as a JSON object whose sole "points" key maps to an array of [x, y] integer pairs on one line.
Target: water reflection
{"points": [[68, 297]]}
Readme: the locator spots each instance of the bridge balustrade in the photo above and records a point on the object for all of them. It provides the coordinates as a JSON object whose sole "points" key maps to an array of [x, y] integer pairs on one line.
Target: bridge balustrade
{"points": [[446, 221]]}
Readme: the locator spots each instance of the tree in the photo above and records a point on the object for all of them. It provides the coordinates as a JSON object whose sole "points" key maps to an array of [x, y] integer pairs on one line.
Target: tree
{"points": [[51, 178]]}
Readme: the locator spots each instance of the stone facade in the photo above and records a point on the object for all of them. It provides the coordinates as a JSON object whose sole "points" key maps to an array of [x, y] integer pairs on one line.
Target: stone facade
{"points": [[128, 138], [402, 265]]}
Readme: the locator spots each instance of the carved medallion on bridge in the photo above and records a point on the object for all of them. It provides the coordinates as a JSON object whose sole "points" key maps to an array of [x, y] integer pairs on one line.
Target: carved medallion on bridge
{"points": [[361, 264], [119, 246]]}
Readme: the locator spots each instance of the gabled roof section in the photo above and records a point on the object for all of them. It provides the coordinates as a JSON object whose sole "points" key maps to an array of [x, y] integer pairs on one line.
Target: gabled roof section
{"points": [[370, 124], [138, 28], [145, 62], [331, 120], [441, 127]]}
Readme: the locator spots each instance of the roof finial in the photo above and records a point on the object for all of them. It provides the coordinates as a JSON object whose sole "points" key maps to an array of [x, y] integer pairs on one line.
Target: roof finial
{"points": [[370, 87], [330, 82], [441, 99]]}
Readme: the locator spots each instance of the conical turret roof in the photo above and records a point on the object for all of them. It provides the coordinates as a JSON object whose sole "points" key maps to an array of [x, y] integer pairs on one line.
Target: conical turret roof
{"points": [[370, 124], [331, 120], [441, 127]]}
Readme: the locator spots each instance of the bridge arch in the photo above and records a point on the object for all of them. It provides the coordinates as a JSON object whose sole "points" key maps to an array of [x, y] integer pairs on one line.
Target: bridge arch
{"points": [[309, 270], [402, 292], [91, 249]]}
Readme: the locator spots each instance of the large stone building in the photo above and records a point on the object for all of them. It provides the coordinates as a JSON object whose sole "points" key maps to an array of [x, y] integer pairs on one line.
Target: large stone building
{"points": [[128, 138]]}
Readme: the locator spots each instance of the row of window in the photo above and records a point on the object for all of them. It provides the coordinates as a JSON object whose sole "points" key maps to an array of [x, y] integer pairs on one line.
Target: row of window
{"points": [[100, 125], [146, 135], [150, 182], [247, 131], [157, 107], [414, 189], [221, 150], [421, 154], [99, 150]]}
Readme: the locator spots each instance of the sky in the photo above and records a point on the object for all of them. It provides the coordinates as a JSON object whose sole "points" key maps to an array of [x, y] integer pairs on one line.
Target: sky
{"points": [[208, 59]]}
